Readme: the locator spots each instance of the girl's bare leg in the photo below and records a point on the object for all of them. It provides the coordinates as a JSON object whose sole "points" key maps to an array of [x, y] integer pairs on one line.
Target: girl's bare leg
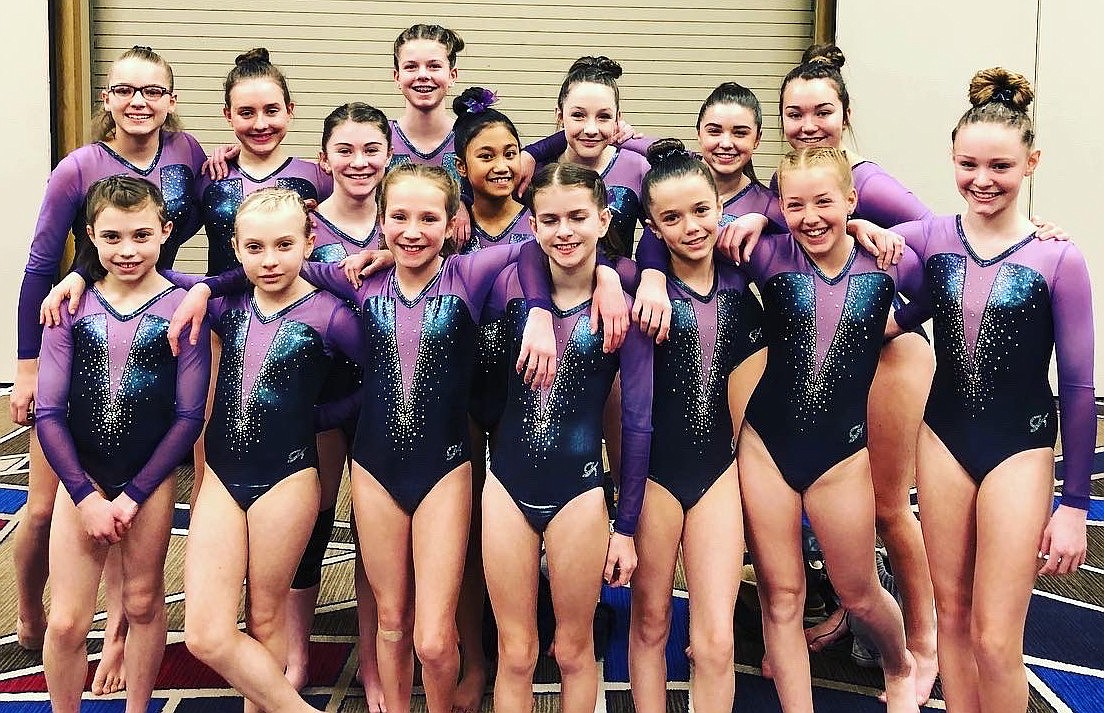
{"points": [[713, 551], [473, 591], [384, 531], [1013, 505], [772, 516], [896, 408], [948, 513], [576, 542], [76, 563], [367, 618], [142, 551], [214, 567], [840, 505], [285, 514], [31, 549], [658, 532], [511, 559], [332, 452]]}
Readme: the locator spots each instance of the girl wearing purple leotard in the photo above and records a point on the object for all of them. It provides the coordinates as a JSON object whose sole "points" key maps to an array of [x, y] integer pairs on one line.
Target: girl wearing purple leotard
{"points": [[714, 356], [258, 501], [1001, 302], [545, 480], [259, 109], [488, 150], [803, 444], [816, 110], [425, 69], [138, 134], [356, 146], [117, 411]]}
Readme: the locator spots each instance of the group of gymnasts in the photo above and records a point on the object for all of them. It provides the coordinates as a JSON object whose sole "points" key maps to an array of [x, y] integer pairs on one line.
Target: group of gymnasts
{"points": [[368, 311]]}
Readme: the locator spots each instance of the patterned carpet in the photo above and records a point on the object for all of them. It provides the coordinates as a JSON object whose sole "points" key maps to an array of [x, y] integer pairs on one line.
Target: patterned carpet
{"points": [[1064, 648]]}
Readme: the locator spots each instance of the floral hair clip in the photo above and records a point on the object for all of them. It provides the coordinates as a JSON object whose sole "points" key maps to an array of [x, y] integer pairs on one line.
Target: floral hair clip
{"points": [[482, 103]]}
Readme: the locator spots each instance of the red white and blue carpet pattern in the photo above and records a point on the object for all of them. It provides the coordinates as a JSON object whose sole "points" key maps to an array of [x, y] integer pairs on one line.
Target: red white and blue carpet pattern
{"points": [[1064, 650]]}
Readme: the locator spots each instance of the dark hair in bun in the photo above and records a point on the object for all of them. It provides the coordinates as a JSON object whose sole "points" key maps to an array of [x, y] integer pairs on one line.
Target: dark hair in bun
{"points": [[473, 114], [594, 70], [998, 96], [670, 159], [254, 64], [822, 61]]}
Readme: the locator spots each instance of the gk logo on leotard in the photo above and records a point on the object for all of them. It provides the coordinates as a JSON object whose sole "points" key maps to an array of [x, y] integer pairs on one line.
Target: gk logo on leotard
{"points": [[856, 433], [452, 452], [297, 454], [590, 470], [755, 334], [1037, 422]]}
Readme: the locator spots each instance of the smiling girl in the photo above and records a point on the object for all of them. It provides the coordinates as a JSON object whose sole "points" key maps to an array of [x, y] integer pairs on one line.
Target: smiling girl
{"points": [[259, 109], [545, 474], [117, 411], [137, 134], [692, 498], [1002, 302], [803, 443]]}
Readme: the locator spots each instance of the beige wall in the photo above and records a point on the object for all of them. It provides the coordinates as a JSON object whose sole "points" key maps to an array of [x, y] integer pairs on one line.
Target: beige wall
{"points": [[908, 68], [25, 146]]}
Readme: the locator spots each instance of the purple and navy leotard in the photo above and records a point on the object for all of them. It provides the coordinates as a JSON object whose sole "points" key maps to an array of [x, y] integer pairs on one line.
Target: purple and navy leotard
{"points": [[175, 168], [824, 336], [997, 322], [404, 151], [114, 408], [711, 335], [549, 446], [332, 244], [412, 428], [489, 378], [270, 377], [220, 200]]}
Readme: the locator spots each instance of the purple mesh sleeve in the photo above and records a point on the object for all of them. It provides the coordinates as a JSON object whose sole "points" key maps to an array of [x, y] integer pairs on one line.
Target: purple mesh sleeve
{"points": [[651, 252], [330, 278], [628, 272], [480, 269], [52, 409], [636, 428], [193, 375], [231, 282], [639, 146], [885, 201], [535, 277], [345, 336], [334, 413], [185, 280], [910, 279], [547, 149], [1071, 301], [55, 218]]}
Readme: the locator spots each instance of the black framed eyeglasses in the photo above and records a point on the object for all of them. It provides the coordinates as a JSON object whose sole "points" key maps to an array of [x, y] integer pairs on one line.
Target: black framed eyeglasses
{"points": [[152, 92]]}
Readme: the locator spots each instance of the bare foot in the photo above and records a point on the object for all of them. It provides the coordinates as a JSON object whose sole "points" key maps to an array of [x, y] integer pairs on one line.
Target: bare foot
{"points": [[373, 689], [110, 674], [900, 691], [821, 636], [926, 667], [470, 690], [30, 637]]}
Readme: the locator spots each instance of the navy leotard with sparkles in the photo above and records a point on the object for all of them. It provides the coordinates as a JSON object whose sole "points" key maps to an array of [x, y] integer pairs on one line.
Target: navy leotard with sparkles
{"points": [[269, 379], [489, 378], [710, 336], [824, 336], [549, 447], [412, 427], [114, 406], [997, 321], [220, 201]]}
